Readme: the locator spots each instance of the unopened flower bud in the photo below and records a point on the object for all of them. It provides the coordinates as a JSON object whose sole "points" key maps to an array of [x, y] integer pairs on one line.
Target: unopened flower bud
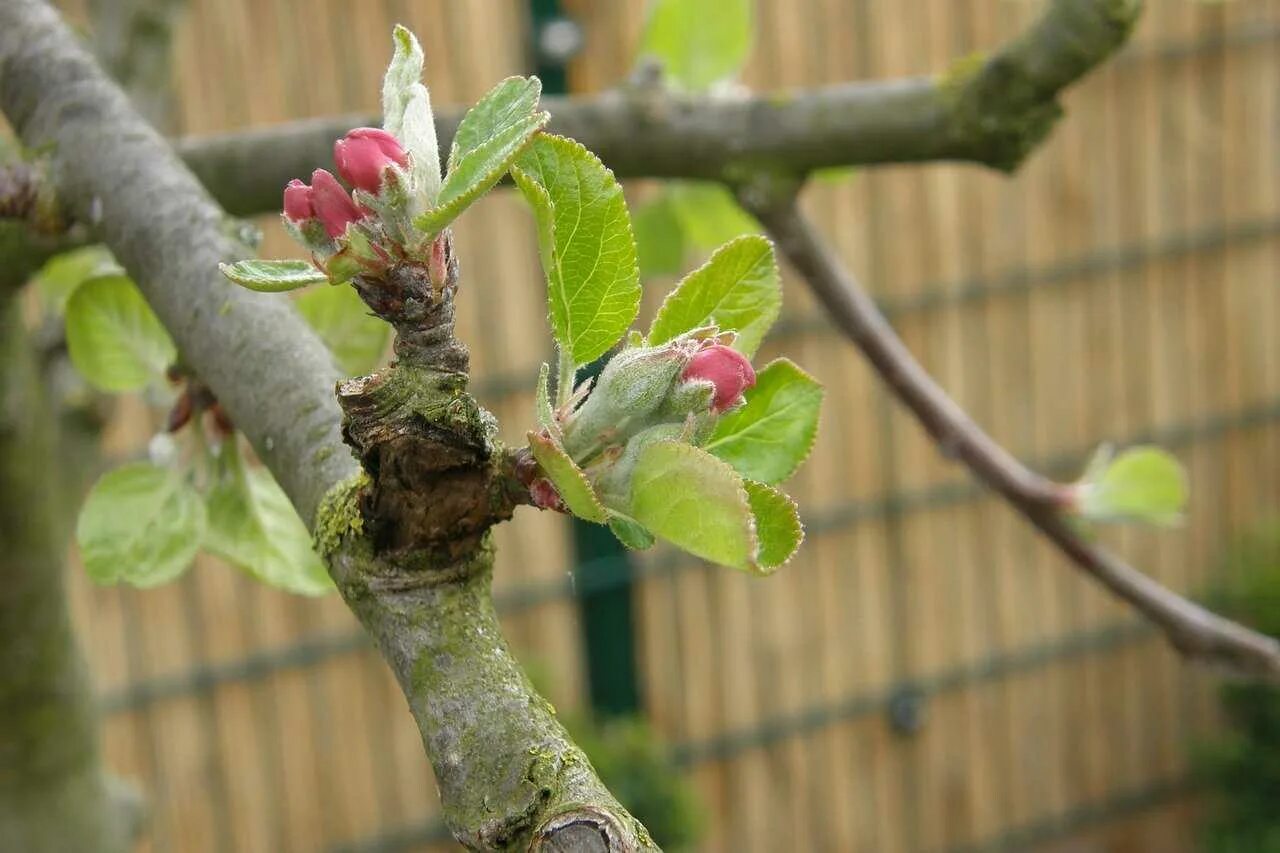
{"points": [[297, 201], [331, 203], [725, 368], [364, 154]]}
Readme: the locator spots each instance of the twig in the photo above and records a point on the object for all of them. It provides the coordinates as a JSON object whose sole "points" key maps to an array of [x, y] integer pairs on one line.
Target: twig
{"points": [[1196, 632]]}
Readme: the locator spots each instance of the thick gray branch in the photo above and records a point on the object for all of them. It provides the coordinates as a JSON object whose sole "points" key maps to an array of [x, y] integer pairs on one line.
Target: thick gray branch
{"points": [[118, 175], [991, 110], [1193, 630]]}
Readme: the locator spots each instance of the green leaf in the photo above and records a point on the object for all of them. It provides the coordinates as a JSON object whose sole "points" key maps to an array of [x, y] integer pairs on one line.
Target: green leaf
{"points": [[62, 274], [768, 436], [490, 138], [406, 113], [141, 525], [700, 42], [273, 276], [659, 238], [253, 525], [695, 501], [573, 485], [630, 533], [738, 288], [546, 417], [357, 339], [1141, 484], [511, 102], [588, 251], [709, 214], [115, 340], [778, 525]]}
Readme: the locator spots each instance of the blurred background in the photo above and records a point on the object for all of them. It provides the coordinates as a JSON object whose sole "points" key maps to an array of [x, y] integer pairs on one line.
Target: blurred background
{"points": [[926, 675]]}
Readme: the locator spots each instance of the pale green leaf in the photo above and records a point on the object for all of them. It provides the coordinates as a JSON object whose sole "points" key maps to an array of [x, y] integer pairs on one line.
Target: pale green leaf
{"points": [[700, 42], [357, 339], [738, 289], [695, 501], [140, 524], [546, 416], [768, 436], [63, 273], [709, 214], [407, 115], [253, 526], [575, 490], [490, 148], [593, 281], [510, 102], [1140, 484], [630, 533], [273, 276], [660, 241], [778, 527], [115, 340]]}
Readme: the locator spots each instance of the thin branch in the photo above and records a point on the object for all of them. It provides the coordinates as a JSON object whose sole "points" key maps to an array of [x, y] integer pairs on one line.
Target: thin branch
{"points": [[992, 110], [1194, 631]]}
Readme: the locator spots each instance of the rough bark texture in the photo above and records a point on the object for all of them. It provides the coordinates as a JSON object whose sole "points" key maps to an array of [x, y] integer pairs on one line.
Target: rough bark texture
{"points": [[988, 109], [54, 796]]}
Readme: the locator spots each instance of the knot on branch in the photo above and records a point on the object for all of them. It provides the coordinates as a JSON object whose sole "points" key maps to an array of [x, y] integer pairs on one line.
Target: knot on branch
{"points": [[998, 111], [438, 480]]}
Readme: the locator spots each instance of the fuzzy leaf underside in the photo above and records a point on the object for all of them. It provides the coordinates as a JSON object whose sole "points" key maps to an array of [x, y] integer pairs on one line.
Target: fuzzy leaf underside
{"points": [[778, 527], [572, 484], [695, 501]]}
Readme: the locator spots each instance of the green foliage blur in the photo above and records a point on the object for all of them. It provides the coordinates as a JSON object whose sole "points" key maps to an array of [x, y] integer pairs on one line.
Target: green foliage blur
{"points": [[1240, 772]]}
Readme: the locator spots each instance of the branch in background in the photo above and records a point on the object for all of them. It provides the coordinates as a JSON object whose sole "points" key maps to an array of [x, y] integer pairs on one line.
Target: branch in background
{"points": [[133, 40], [508, 773], [54, 794], [1193, 630], [990, 110]]}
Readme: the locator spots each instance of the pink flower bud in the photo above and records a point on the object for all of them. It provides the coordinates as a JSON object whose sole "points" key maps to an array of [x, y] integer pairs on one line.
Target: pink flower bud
{"points": [[364, 153], [331, 203], [297, 201], [725, 368]]}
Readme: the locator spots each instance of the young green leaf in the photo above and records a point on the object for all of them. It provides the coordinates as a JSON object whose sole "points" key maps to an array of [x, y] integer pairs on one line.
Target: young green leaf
{"points": [[273, 276], [357, 339], [1141, 484], [63, 273], [140, 524], [490, 137], [700, 42], [253, 525], [778, 525], [630, 533], [406, 113], [593, 282], [573, 485], [114, 339], [768, 437], [695, 501], [546, 417], [509, 103], [738, 288]]}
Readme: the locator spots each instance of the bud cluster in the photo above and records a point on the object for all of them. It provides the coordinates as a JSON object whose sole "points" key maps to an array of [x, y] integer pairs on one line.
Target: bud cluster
{"points": [[368, 230], [676, 390]]}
